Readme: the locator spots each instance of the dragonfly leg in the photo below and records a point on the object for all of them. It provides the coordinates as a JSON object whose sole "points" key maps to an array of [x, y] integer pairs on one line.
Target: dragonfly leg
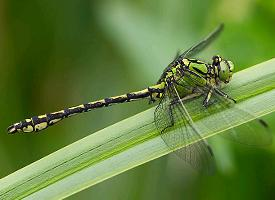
{"points": [[207, 98], [152, 99], [221, 93]]}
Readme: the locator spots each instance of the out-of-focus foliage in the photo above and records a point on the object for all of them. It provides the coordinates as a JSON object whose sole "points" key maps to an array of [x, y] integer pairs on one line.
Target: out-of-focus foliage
{"points": [[55, 54]]}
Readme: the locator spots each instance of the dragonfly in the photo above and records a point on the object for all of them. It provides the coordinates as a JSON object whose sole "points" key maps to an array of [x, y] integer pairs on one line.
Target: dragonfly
{"points": [[184, 78]]}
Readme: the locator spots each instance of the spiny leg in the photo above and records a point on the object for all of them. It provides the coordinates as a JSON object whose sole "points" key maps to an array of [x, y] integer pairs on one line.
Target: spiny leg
{"points": [[207, 98], [221, 93], [152, 91]]}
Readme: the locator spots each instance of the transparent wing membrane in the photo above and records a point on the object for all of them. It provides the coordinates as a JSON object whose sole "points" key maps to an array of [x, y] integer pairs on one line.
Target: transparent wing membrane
{"points": [[171, 112], [253, 133], [246, 133], [197, 47], [202, 44]]}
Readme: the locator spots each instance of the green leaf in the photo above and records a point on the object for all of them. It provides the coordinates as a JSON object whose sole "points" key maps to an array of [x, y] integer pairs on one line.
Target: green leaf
{"points": [[130, 143]]}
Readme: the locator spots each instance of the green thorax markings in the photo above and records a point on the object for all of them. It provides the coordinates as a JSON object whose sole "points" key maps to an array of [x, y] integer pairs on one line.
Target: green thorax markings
{"points": [[185, 71], [190, 66]]}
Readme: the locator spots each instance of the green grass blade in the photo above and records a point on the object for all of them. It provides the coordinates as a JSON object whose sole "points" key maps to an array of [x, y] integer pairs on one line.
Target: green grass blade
{"points": [[129, 143]]}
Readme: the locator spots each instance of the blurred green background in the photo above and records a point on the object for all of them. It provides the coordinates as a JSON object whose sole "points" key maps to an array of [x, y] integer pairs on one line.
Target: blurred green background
{"points": [[55, 54]]}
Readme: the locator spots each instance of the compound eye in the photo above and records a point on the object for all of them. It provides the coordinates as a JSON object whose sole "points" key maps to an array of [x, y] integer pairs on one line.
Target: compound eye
{"points": [[224, 67], [230, 65]]}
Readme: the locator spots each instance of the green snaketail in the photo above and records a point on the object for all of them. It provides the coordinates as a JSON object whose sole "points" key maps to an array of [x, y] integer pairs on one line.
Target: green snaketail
{"points": [[182, 78]]}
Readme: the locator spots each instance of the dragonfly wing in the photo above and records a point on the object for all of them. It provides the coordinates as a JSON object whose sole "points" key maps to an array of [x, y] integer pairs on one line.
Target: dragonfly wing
{"points": [[253, 133], [199, 156], [202, 44], [171, 113], [196, 48]]}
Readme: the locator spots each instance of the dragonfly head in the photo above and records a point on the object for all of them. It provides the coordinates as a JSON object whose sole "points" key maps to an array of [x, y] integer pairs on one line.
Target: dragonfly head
{"points": [[225, 68]]}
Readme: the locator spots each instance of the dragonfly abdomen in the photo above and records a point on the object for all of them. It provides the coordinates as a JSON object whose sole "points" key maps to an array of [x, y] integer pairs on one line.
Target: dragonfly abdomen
{"points": [[38, 123]]}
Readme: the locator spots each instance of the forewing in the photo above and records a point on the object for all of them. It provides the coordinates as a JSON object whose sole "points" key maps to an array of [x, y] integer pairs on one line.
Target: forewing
{"points": [[253, 133], [202, 44], [196, 48], [172, 113]]}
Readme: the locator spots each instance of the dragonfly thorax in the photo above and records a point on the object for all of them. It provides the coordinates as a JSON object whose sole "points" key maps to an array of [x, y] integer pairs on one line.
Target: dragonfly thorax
{"points": [[188, 74]]}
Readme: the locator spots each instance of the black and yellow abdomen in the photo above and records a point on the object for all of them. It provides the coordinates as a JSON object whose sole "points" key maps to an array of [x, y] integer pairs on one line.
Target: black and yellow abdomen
{"points": [[41, 122]]}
